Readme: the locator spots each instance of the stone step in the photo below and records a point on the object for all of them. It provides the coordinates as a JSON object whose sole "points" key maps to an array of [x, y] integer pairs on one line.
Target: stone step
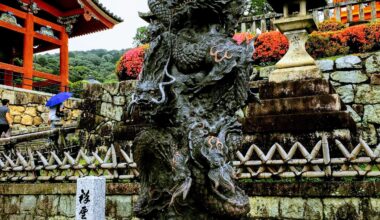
{"points": [[299, 123], [298, 88], [319, 103]]}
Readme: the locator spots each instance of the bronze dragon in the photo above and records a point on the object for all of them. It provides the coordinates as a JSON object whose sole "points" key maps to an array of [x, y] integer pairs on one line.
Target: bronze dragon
{"points": [[194, 79]]}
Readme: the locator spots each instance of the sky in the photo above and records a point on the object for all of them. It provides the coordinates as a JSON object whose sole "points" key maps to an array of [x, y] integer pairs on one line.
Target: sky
{"points": [[121, 36]]}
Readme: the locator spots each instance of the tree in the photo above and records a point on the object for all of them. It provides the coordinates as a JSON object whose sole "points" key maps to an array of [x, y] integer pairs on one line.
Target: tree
{"points": [[259, 7], [142, 36]]}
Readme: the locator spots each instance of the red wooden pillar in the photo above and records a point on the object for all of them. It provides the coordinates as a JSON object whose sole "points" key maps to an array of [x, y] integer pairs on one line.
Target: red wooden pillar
{"points": [[27, 82], [8, 78], [64, 61]]}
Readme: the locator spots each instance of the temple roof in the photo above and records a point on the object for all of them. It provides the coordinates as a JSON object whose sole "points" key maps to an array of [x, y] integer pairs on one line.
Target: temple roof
{"points": [[86, 16]]}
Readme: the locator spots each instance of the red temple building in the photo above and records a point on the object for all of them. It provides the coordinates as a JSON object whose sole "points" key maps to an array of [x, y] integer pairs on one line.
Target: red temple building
{"points": [[28, 27]]}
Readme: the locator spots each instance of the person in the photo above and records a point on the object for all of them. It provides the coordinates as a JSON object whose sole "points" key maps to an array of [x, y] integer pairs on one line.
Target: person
{"points": [[55, 114], [6, 121]]}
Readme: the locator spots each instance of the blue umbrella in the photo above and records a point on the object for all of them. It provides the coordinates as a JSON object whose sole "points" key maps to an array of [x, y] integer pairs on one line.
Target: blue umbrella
{"points": [[58, 99]]}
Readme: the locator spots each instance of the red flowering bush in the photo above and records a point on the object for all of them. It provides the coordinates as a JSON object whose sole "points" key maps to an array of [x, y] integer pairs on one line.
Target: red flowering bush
{"points": [[244, 37], [331, 25], [326, 44], [355, 39], [270, 47], [130, 64], [372, 33]]}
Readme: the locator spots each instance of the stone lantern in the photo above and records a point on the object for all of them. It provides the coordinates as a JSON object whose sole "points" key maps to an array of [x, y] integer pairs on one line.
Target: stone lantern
{"points": [[297, 104], [296, 23]]}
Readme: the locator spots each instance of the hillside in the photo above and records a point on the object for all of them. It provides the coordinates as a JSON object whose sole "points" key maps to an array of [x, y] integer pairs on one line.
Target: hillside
{"points": [[98, 63]]}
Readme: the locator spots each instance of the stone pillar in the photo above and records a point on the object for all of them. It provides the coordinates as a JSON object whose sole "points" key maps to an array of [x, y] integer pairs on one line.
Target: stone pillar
{"points": [[91, 198]]}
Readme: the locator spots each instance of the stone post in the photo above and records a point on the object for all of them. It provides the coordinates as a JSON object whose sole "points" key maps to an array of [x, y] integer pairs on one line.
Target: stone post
{"points": [[91, 198]]}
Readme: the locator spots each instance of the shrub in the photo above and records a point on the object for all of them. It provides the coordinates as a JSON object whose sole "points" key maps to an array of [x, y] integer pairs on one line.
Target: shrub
{"points": [[326, 44], [372, 33], [130, 64], [270, 47], [331, 25], [355, 38]]}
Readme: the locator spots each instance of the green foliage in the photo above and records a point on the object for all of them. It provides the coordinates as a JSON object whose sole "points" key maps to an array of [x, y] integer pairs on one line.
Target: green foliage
{"points": [[258, 7], [142, 36], [97, 63]]}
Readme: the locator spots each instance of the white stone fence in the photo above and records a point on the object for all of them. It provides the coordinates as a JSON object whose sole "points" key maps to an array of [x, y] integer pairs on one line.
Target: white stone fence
{"points": [[118, 164]]}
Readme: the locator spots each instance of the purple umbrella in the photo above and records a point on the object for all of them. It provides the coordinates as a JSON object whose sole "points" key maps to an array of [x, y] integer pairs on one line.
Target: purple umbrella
{"points": [[58, 99]]}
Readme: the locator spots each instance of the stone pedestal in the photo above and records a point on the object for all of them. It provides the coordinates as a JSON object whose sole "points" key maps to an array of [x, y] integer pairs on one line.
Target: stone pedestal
{"points": [[299, 110], [297, 64]]}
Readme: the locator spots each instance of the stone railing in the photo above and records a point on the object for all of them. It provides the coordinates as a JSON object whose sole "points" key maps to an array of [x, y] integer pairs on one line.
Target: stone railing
{"points": [[260, 22], [348, 11], [321, 161]]}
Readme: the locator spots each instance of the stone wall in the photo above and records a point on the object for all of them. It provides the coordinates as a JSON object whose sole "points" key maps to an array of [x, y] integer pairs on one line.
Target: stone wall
{"points": [[298, 200], [356, 78], [104, 106], [28, 110]]}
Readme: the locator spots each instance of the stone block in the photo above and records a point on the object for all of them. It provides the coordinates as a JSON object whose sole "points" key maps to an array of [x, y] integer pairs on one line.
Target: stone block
{"points": [[45, 117], [93, 91], [66, 206], [16, 110], [32, 111], [295, 73], [367, 94], [47, 205], [11, 205], [17, 217], [119, 207], [349, 62], [353, 76], [325, 65], [127, 87], [342, 208], [374, 208], [112, 88], [22, 98], [372, 64], [320, 103], [305, 122], [37, 121], [119, 100], [264, 207], [346, 93], [91, 198], [355, 116], [42, 109], [294, 89], [326, 76], [375, 79], [10, 95], [372, 114], [106, 97], [368, 134], [266, 71], [28, 204], [27, 120], [292, 208], [313, 209], [110, 111]]}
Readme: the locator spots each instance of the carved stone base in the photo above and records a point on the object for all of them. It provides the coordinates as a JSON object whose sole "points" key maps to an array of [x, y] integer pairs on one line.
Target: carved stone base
{"points": [[294, 111], [295, 73], [297, 55]]}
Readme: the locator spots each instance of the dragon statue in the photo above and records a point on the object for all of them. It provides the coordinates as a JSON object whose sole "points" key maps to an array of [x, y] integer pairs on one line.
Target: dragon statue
{"points": [[194, 80]]}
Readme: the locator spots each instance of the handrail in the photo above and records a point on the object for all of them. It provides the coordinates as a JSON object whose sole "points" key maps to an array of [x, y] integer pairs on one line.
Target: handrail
{"points": [[35, 135]]}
